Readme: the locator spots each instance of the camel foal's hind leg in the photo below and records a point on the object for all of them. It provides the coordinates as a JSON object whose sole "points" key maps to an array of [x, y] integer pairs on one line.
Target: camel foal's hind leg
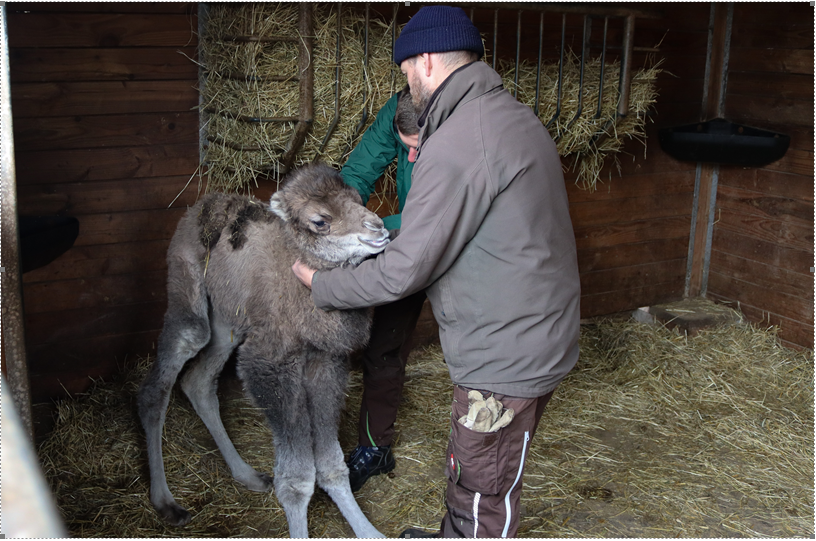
{"points": [[182, 337], [200, 383], [325, 385]]}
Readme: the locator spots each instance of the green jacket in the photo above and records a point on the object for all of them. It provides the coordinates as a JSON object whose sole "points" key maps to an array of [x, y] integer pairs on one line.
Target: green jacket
{"points": [[376, 150]]}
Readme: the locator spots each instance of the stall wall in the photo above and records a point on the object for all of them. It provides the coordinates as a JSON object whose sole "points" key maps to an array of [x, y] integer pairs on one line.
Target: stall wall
{"points": [[104, 131], [632, 233], [103, 99], [762, 249]]}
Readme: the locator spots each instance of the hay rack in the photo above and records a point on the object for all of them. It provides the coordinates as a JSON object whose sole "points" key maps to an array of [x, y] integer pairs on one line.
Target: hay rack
{"points": [[590, 12], [305, 78], [331, 139]]}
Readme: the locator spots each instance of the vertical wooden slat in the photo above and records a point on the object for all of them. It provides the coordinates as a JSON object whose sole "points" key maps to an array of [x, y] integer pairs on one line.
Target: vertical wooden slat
{"points": [[626, 66], [518, 55], [13, 337], [495, 37], [705, 190], [306, 74], [203, 24], [336, 119], [29, 509]]}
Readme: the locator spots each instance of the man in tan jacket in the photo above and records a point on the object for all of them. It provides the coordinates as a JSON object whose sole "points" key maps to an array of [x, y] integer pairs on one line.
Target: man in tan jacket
{"points": [[486, 231]]}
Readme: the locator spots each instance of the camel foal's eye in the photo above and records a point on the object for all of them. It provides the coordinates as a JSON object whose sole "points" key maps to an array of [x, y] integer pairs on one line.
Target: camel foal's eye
{"points": [[321, 224]]}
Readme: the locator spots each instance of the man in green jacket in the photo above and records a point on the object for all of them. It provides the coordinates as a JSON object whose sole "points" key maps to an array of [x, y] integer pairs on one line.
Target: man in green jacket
{"points": [[392, 135]]}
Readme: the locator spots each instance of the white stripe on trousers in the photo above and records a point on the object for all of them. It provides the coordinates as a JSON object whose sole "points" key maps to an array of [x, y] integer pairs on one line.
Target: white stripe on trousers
{"points": [[476, 499], [518, 476]]}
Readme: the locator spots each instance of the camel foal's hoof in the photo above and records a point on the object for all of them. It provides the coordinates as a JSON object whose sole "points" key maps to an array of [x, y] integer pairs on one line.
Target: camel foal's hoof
{"points": [[260, 482], [174, 514]]}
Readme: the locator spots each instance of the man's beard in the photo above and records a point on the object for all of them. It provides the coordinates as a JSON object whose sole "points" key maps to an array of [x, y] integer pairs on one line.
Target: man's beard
{"points": [[420, 95]]}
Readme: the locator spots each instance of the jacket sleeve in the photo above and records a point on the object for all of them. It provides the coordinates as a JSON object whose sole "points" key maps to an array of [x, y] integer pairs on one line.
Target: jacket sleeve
{"points": [[375, 151], [443, 211]]}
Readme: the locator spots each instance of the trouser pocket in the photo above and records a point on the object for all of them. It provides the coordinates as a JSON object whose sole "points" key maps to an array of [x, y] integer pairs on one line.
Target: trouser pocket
{"points": [[474, 460], [458, 523]]}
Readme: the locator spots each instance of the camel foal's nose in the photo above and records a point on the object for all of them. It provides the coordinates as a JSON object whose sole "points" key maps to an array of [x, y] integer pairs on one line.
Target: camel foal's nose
{"points": [[374, 225]]}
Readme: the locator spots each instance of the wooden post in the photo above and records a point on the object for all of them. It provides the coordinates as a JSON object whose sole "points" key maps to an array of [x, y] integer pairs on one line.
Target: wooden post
{"points": [[13, 335], [306, 74], [28, 505], [705, 186], [625, 83]]}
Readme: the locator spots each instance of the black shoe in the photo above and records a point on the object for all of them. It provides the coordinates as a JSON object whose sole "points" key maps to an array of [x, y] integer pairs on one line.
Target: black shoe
{"points": [[413, 532], [367, 462]]}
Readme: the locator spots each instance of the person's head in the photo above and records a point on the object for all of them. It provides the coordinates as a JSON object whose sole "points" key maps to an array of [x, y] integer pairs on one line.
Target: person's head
{"points": [[434, 43], [405, 120]]}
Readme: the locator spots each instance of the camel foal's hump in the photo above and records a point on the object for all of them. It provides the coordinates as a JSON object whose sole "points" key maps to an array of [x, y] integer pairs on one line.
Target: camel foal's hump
{"points": [[230, 216]]}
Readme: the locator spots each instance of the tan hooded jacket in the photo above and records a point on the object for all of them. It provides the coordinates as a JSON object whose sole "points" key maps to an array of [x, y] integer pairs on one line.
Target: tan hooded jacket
{"points": [[486, 231]]}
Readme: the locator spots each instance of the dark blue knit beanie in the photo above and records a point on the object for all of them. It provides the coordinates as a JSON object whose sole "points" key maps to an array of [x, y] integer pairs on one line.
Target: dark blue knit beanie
{"points": [[437, 29]]}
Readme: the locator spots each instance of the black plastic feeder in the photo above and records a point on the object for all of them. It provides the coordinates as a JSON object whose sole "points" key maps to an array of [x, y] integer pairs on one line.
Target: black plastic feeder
{"points": [[45, 238], [721, 141]]}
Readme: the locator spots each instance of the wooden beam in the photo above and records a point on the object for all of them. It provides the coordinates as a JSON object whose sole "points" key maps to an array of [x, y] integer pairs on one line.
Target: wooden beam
{"points": [[594, 9], [15, 365], [306, 90], [702, 220], [705, 189]]}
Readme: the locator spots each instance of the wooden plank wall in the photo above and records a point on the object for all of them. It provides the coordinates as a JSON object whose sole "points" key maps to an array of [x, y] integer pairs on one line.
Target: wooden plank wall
{"points": [[105, 131], [103, 97], [633, 232], [762, 250]]}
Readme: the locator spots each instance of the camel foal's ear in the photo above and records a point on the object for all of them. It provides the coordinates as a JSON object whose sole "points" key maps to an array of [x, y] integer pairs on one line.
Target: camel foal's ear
{"points": [[277, 206]]}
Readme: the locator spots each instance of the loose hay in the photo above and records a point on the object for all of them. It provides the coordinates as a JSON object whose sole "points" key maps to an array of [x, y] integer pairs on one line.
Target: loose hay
{"points": [[655, 434], [652, 435], [238, 153], [230, 169], [588, 141]]}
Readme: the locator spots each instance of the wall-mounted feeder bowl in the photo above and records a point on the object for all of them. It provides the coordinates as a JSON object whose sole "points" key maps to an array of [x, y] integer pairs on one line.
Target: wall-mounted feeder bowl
{"points": [[722, 141]]}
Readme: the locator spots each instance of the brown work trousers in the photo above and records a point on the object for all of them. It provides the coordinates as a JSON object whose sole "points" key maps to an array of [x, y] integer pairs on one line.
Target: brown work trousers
{"points": [[485, 469], [384, 363]]}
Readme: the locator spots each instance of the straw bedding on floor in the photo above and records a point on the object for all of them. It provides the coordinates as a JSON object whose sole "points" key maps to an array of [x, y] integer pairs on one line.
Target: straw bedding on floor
{"points": [[653, 434]]}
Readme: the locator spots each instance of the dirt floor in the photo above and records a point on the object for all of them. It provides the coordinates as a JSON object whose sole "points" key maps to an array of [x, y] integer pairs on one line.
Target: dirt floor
{"points": [[653, 434]]}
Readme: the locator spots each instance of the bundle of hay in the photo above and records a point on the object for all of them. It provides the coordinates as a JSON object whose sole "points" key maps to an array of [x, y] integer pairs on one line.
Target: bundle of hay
{"points": [[238, 151], [588, 136], [237, 86], [653, 434]]}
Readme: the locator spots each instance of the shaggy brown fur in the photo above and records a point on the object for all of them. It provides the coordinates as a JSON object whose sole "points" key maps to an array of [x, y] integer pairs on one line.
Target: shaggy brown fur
{"points": [[230, 286]]}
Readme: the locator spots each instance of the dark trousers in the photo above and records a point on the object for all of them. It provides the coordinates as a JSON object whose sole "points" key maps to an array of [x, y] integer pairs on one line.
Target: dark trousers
{"points": [[485, 470], [384, 368]]}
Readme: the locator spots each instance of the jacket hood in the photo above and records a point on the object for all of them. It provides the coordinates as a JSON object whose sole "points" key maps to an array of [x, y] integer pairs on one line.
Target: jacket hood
{"points": [[461, 86]]}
